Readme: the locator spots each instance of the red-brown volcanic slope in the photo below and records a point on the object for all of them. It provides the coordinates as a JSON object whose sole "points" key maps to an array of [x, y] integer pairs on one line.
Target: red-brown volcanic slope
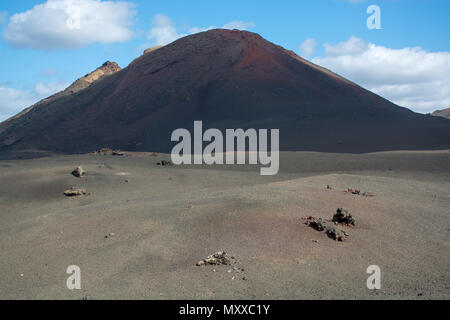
{"points": [[228, 79]]}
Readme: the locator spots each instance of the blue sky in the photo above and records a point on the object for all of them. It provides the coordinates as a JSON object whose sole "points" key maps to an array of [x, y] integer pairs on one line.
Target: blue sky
{"points": [[38, 56]]}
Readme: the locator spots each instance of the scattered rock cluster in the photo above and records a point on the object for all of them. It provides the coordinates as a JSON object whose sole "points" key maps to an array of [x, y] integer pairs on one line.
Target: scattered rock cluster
{"points": [[342, 216], [108, 151], [217, 259], [359, 193], [337, 234], [315, 223]]}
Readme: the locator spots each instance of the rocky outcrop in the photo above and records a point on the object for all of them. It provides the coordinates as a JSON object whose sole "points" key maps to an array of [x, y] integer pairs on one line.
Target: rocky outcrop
{"points": [[108, 68], [444, 113], [152, 49]]}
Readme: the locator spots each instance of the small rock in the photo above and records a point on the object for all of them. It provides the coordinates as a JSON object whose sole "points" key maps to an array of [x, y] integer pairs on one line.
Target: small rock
{"points": [[217, 259], [164, 163], [127, 181], [78, 172], [75, 192]]}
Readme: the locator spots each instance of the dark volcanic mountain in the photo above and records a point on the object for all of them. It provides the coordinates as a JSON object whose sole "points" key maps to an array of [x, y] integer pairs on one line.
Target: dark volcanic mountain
{"points": [[227, 79]]}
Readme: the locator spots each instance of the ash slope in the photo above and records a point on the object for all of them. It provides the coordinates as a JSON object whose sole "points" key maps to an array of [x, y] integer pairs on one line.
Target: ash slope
{"points": [[227, 79], [165, 219]]}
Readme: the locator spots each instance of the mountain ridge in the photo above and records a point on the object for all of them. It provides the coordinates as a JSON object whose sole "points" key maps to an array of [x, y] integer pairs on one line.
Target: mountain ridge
{"points": [[82, 83]]}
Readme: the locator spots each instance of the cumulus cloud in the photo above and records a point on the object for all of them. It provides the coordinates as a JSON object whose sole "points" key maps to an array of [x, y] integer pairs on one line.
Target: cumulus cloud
{"points": [[164, 31], [12, 101], [61, 24], [352, 46], [308, 47], [411, 77], [199, 29]]}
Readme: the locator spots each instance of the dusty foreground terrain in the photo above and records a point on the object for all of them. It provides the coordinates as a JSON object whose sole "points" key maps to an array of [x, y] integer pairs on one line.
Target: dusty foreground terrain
{"points": [[143, 227]]}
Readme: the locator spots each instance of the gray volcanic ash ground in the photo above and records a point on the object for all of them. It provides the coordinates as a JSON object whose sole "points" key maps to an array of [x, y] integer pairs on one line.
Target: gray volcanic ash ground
{"points": [[141, 228]]}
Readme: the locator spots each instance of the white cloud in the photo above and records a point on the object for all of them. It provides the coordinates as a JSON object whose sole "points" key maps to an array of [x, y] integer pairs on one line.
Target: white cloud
{"points": [[12, 101], [308, 47], [352, 46], [60, 24], [410, 77], [165, 32], [198, 29]]}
